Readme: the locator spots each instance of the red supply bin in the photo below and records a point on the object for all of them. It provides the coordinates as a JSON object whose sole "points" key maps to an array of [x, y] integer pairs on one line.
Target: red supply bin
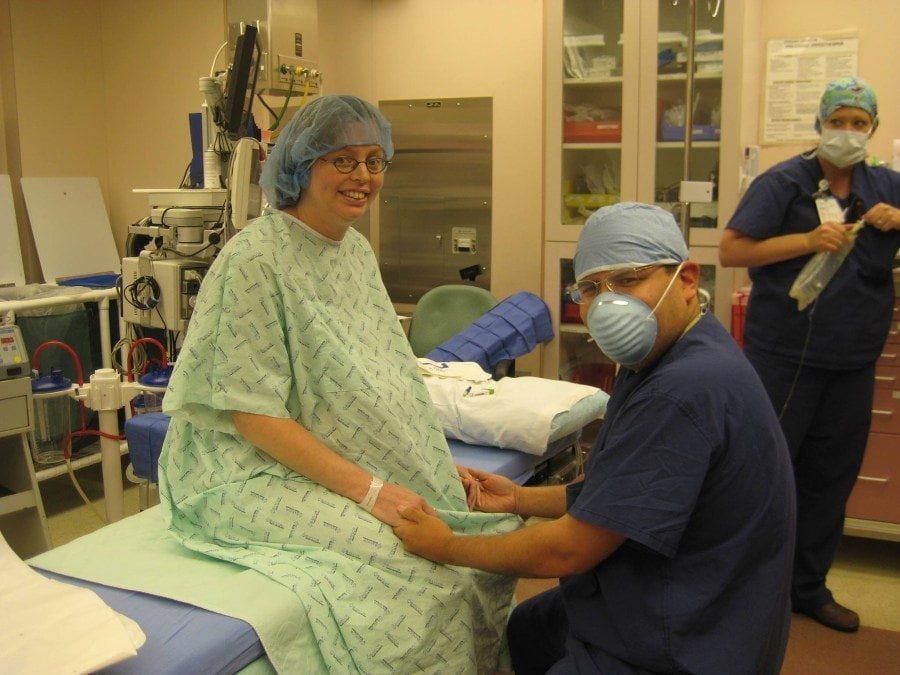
{"points": [[738, 313]]}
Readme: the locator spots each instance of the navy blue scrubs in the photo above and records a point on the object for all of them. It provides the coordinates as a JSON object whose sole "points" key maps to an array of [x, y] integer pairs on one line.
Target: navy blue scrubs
{"points": [[692, 468], [818, 364]]}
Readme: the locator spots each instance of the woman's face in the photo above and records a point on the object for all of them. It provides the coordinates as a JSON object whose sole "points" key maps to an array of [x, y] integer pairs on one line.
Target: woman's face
{"points": [[333, 199], [849, 119]]}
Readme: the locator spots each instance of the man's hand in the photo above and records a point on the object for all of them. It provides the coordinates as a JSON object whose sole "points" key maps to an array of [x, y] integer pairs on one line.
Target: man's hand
{"points": [[494, 493], [394, 499], [424, 535]]}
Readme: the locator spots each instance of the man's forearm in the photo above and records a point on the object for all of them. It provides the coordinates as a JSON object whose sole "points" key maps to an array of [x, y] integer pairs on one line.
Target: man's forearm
{"points": [[544, 501]]}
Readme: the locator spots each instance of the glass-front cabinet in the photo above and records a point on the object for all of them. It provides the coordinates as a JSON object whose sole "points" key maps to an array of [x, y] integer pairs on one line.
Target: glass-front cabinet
{"points": [[623, 79], [682, 57], [592, 96]]}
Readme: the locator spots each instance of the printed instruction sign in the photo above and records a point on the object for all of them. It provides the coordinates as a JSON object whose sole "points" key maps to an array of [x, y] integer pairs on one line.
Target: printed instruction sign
{"points": [[797, 71]]}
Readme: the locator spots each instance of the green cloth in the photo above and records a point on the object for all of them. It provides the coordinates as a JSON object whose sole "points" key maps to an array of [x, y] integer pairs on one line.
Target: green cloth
{"points": [[292, 325]]}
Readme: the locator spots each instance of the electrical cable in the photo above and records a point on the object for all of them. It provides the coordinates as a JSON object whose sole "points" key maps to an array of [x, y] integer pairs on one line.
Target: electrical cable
{"points": [[287, 100], [790, 393]]}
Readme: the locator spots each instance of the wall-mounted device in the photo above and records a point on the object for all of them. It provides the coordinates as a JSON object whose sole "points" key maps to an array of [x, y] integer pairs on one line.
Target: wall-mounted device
{"points": [[160, 292], [288, 35], [464, 239]]}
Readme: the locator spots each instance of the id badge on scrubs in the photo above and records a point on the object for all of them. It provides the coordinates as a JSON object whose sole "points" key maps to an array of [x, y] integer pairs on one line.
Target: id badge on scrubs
{"points": [[829, 209]]}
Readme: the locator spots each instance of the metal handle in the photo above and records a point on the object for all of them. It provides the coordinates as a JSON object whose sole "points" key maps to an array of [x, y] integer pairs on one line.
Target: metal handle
{"points": [[884, 413], [872, 479], [885, 378]]}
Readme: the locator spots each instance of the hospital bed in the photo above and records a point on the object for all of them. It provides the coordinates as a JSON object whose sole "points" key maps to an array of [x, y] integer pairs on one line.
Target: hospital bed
{"points": [[219, 638], [144, 571]]}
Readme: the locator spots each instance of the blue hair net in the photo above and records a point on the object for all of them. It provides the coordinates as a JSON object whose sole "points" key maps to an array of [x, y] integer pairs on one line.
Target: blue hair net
{"points": [[324, 125], [628, 234], [847, 92]]}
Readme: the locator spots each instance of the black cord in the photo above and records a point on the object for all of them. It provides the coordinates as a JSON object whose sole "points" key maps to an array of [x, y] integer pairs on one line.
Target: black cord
{"points": [[790, 393], [266, 105]]}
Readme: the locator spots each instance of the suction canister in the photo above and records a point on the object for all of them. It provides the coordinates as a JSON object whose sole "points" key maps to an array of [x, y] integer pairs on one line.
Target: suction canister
{"points": [[52, 416]]}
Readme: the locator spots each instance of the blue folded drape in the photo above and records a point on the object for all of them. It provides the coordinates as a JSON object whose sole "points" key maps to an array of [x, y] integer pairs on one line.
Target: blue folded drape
{"points": [[512, 328]]}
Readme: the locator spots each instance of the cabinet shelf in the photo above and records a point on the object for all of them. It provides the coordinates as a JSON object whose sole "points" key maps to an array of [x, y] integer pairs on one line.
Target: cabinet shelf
{"points": [[615, 80], [575, 328], [18, 501], [93, 457], [681, 77], [679, 145], [593, 146]]}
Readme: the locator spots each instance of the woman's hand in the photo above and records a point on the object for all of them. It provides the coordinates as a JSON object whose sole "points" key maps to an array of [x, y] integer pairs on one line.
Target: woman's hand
{"points": [[395, 498], [471, 485], [827, 237], [494, 493], [883, 217]]}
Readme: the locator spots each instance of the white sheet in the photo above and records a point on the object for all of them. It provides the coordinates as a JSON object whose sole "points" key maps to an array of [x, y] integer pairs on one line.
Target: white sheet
{"points": [[51, 627], [514, 412]]}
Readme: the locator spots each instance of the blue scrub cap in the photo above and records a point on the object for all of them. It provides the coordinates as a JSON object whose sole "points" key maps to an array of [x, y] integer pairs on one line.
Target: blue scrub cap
{"points": [[324, 125], [847, 92], [625, 235]]}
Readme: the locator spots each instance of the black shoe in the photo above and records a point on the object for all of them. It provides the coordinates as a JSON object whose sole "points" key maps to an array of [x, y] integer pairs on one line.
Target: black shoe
{"points": [[835, 616]]}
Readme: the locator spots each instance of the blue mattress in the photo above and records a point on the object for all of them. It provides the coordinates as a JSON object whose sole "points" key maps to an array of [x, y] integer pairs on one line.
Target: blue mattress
{"points": [[145, 434], [181, 639]]}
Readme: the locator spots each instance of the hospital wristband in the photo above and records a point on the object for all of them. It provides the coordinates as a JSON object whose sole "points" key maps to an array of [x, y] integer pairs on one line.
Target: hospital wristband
{"points": [[368, 502]]}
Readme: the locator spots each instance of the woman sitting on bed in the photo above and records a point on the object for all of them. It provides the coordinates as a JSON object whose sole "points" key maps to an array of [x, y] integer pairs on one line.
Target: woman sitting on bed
{"points": [[300, 425]]}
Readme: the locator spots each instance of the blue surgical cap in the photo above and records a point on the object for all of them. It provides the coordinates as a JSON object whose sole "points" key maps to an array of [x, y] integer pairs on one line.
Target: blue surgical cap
{"points": [[324, 125], [625, 235], [847, 92]]}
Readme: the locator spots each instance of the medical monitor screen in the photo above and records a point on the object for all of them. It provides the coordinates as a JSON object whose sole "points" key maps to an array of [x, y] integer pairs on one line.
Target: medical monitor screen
{"points": [[241, 84]]}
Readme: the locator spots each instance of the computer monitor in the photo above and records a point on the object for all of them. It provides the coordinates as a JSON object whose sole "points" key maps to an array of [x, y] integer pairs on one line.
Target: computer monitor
{"points": [[240, 86]]}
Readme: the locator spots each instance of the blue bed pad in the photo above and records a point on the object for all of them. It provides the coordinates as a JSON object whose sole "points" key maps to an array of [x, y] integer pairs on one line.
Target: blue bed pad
{"points": [[145, 434], [517, 466], [181, 639]]}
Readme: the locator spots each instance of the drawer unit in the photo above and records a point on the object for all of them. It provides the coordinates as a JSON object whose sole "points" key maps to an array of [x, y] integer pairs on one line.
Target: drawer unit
{"points": [[886, 411], [874, 505], [877, 492]]}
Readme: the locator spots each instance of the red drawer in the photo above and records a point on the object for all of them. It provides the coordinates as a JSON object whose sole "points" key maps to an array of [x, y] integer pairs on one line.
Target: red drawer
{"points": [[893, 336], [877, 492], [886, 411], [887, 377]]}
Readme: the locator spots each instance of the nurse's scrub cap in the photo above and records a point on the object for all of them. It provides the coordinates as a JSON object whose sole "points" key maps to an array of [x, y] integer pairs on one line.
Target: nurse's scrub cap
{"points": [[324, 125], [626, 235], [847, 92]]}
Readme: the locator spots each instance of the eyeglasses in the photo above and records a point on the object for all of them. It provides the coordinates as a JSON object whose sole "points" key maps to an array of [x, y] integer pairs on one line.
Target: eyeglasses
{"points": [[348, 164], [583, 292]]}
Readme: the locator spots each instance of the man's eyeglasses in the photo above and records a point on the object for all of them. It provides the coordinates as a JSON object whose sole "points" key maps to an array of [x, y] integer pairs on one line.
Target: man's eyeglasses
{"points": [[583, 292], [349, 164]]}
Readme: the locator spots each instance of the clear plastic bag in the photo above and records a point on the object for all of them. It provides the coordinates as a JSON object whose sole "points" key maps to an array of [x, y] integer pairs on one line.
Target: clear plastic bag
{"points": [[819, 270]]}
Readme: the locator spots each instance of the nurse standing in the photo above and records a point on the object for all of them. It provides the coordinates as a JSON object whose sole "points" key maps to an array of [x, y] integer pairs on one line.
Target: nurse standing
{"points": [[818, 365]]}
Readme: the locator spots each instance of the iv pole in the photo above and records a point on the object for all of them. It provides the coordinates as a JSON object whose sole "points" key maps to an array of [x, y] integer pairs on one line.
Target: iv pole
{"points": [[685, 212]]}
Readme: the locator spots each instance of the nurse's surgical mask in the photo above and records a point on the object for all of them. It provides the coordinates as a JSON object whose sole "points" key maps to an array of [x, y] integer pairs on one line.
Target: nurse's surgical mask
{"points": [[624, 327], [842, 148]]}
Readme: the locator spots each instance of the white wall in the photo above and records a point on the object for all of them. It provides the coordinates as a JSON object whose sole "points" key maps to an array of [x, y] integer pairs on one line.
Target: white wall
{"points": [[874, 22], [434, 48]]}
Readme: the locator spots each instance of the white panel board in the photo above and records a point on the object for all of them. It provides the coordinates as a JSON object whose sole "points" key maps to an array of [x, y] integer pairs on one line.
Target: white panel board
{"points": [[11, 269], [70, 226]]}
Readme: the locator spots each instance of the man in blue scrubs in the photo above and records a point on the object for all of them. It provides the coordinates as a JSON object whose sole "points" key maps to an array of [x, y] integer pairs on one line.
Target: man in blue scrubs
{"points": [[675, 548]]}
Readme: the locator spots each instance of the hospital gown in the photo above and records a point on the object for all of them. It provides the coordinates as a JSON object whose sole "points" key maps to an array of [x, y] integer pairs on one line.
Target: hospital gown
{"points": [[290, 324]]}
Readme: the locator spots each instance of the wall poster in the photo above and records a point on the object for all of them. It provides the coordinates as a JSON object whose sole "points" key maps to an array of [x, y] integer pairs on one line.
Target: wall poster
{"points": [[797, 71]]}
